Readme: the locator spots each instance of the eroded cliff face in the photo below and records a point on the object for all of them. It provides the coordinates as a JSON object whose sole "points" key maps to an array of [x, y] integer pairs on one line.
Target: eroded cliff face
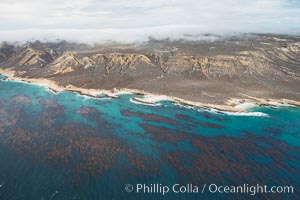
{"points": [[271, 59], [276, 60], [29, 57], [119, 60], [70, 61]]}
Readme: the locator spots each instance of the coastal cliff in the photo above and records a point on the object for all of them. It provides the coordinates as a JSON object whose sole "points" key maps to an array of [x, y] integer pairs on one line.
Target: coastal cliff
{"points": [[259, 66]]}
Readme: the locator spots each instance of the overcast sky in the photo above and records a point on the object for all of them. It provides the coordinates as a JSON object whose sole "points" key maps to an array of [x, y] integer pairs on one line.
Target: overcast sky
{"points": [[131, 20]]}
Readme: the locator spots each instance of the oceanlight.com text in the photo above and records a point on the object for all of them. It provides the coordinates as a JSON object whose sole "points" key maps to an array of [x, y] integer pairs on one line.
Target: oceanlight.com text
{"points": [[208, 188]]}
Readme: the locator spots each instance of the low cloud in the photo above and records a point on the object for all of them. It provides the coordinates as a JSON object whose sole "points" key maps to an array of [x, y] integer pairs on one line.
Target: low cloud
{"points": [[134, 20]]}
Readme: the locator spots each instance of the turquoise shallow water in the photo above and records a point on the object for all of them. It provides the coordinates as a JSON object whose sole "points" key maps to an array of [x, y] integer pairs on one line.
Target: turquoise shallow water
{"points": [[68, 146]]}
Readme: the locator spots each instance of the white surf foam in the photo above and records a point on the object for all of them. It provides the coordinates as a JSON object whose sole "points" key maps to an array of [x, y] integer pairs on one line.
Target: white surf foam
{"points": [[254, 114], [86, 97], [147, 104]]}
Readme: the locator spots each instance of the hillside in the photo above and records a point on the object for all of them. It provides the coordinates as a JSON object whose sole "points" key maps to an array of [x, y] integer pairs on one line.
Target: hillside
{"points": [[262, 66]]}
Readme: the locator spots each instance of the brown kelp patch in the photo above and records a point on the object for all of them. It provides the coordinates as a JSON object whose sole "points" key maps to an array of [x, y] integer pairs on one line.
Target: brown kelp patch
{"points": [[150, 117], [89, 112], [275, 131], [211, 125], [76, 147], [48, 103], [163, 134], [51, 112], [197, 122], [184, 117], [85, 110], [204, 114], [94, 115], [97, 153], [8, 116], [21, 98], [234, 160]]}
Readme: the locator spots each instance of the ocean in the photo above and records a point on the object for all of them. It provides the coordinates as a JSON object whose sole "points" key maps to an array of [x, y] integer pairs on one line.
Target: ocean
{"points": [[69, 146]]}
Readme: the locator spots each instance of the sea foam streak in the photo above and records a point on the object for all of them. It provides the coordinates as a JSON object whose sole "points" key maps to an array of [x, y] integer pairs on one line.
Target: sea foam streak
{"points": [[147, 104], [254, 114], [257, 114], [86, 97]]}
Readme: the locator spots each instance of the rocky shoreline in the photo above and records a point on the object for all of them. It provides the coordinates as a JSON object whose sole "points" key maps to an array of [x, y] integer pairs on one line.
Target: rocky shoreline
{"points": [[232, 105]]}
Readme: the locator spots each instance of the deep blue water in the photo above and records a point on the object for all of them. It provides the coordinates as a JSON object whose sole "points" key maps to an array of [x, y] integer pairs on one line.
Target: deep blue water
{"points": [[67, 146]]}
